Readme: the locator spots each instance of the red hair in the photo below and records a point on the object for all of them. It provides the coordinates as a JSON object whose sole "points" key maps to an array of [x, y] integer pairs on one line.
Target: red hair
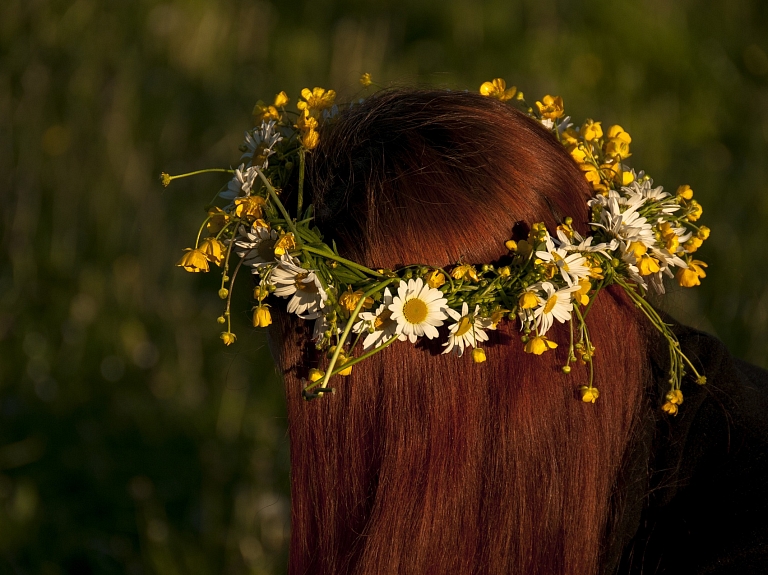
{"points": [[428, 463]]}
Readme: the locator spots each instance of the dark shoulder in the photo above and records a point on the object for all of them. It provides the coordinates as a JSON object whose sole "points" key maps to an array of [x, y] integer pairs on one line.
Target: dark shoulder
{"points": [[705, 509]]}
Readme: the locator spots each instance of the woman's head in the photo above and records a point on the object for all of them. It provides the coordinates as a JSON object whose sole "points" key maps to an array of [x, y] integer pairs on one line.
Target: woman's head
{"points": [[423, 462]]}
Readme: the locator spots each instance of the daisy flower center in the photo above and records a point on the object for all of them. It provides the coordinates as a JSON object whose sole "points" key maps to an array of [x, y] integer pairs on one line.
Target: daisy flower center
{"points": [[266, 249], [301, 285], [381, 319], [464, 326], [551, 302], [415, 311]]}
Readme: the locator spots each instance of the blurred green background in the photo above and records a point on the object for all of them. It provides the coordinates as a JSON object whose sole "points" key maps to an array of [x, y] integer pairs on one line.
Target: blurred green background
{"points": [[131, 440]]}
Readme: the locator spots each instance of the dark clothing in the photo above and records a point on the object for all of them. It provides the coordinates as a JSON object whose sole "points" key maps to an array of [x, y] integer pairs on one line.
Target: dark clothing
{"points": [[695, 493]]}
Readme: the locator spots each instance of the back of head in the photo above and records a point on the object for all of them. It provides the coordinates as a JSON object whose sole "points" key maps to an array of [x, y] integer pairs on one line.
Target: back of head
{"points": [[428, 463]]}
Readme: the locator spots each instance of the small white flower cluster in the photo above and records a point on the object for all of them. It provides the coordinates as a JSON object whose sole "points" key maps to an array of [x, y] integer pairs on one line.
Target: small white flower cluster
{"points": [[638, 218], [259, 143], [417, 311], [545, 301]]}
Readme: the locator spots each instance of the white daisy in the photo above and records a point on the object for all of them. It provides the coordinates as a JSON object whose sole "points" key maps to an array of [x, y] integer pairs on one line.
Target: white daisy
{"points": [[259, 142], [418, 309], [572, 266], [585, 245], [380, 323], [619, 217], [555, 305], [241, 183], [302, 286], [467, 330], [256, 246]]}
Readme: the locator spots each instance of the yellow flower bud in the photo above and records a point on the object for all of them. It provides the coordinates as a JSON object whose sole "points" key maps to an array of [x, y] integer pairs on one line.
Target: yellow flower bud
{"points": [[217, 219], [365, 80], [478, 355], [505, 272], [617, 143], [589, 394], [579, 155], [223, 293], [669, 408], [511, 245], [228, 337], [213, 249], [524, 248], [675, 396], [689, 277], [618, 132], [570, 137], [528, 300], [435, 279], [465, 272], [341, 361], [498, 89], [696, 211], [638, 249], [591, 130], [539, 344], [310, 139], [315, 375], [685, 192], [307, 122], [261, 317], [221, 319], [551, 107], [349, 300], [316, 99], [648, 265], [693, 244], [581, 295], [703, 233], [260, 292], [591, 173], [263, 112], [250, 207], [165, 179], [193, 261], [286, 243], [281, 99]]}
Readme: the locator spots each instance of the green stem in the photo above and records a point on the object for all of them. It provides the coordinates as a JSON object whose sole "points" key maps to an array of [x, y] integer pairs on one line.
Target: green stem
{"points": [[229, 295], [348, 328], [278, 203], [585, 332], [200, 231], [300, 199], [227, 225], [366, 355], [332, 256], [226, 260], [197, 172]]}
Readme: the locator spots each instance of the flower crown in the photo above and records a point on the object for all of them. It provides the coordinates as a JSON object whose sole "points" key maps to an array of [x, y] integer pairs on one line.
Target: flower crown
{"points": [[638, 234]]}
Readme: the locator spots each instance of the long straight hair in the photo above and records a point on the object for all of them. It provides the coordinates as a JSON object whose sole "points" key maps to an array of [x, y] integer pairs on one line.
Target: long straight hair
{"points": [[428, 463]]}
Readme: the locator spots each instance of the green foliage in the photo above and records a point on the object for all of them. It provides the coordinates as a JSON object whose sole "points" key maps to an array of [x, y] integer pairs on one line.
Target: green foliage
{"points": [[131, 439]]}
